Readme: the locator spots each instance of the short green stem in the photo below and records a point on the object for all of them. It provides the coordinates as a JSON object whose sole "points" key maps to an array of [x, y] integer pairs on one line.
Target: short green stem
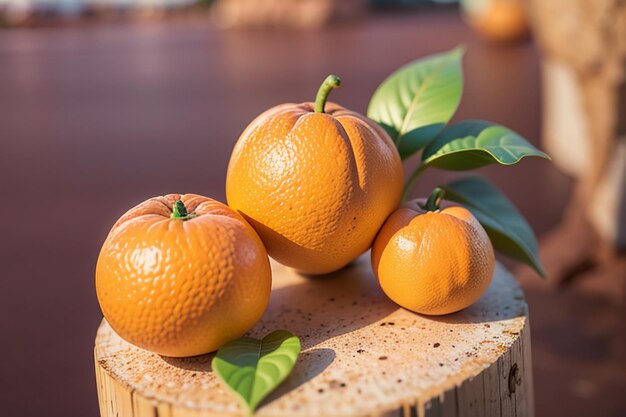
{"points": [[432, 204], [179, 211], [331, 82], [408, 187]]}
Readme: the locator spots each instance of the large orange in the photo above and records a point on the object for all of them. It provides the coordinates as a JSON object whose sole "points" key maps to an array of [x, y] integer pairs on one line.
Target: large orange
{"points": [[181, 275], [316, 181], [431, 260]]}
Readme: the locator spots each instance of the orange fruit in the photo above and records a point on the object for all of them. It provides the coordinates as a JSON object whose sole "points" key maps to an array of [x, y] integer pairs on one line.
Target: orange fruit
{"points": [[316, 181], [498, 20], [181, 275], [433, 261]]}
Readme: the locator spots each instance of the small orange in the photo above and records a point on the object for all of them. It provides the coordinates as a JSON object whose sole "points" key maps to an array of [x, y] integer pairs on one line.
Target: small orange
{"points": [[433, 261], [181, 275], [316, 181]]}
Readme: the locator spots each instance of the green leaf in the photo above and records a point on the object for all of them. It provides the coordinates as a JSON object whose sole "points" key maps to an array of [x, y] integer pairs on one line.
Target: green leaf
{"points": [[506, 227], [475, 143], [416, 102], [253, 368]]}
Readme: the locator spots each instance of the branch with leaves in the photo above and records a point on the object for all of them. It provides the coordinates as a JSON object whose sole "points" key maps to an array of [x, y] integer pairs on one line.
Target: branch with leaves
{"points": [[414, 105]]}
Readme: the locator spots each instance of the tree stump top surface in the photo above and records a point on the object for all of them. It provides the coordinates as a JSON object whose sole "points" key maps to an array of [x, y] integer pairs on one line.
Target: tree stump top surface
{"points": [[361, 353]]}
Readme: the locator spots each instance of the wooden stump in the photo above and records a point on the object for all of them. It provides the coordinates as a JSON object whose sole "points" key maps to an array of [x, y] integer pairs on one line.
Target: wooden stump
{"points": [[362, 356]]}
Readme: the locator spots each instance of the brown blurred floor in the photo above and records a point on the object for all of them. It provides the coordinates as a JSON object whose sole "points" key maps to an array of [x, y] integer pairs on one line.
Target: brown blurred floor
{"points": [[94, 120]]}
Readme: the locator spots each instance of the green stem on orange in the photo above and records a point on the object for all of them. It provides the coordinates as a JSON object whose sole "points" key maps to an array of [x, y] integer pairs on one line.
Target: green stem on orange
{"points": [[408, 187], [331, 82], [432, 204], [179, 211]]}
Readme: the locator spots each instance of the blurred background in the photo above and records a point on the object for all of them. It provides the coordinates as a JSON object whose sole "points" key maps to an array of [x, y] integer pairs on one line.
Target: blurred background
{"points": [[104, 103]]}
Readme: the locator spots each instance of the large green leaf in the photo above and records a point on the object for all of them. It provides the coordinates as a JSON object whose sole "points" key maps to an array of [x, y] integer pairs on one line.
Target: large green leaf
{"points": [[253, 368], [416, 102], [475, 143], [506, 227]]}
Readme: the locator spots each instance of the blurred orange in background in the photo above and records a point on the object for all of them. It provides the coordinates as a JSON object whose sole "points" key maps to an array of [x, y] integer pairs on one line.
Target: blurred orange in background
{"points": [[497, 20]]}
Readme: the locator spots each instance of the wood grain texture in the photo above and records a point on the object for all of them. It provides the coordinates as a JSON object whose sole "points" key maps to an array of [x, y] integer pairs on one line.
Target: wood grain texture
{"points": [[362, 356]]}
